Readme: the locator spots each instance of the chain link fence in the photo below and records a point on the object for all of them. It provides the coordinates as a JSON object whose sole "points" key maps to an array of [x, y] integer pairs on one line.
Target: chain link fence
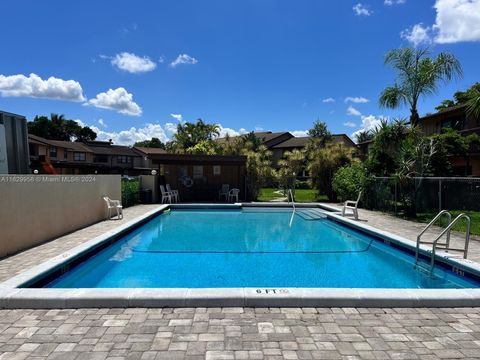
{"points": [[422, 195]]}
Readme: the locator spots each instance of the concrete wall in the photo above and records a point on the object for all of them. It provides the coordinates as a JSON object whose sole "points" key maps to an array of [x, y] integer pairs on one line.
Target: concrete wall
{"points": [[37, 208]]}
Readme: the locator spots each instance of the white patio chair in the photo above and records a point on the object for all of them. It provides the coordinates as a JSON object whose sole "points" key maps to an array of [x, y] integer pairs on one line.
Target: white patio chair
{"points": [[224, 192], [173, 193], [233, 194], [113, 205], [353, 206], [166, 196]]}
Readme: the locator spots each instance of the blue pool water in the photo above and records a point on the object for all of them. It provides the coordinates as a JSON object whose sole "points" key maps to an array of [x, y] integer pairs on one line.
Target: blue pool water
{"points": [[250, 248]]}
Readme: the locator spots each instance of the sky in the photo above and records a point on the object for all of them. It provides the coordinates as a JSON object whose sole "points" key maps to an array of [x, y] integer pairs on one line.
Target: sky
{"points": [[132, 70]]}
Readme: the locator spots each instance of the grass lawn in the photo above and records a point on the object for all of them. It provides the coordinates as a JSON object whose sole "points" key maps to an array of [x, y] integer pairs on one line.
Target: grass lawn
{"points": [[460, 226], [301, 195]]}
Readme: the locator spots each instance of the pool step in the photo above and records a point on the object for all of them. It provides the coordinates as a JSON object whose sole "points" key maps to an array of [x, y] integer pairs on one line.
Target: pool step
{"points": [[423, 267], [311, 214]]}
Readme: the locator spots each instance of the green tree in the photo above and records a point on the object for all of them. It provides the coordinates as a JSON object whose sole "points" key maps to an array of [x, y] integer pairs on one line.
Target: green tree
{"points": [[349, 180], [259, 170], [461, 98], [205, 147], [292, 163], [152, 143], [320, 133], [364, 135], [58, 128], [384, 153], [417, 75], [323, 162], [190, 134]]}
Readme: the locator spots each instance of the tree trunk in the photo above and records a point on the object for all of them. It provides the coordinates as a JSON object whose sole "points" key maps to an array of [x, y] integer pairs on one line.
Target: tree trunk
{"points": [[414, 117]]}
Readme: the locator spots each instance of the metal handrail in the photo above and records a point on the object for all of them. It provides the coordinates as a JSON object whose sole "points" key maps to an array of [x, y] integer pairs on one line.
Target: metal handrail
{"points": [[293, 204], [448, 228], [291, 197], [428, 226]]}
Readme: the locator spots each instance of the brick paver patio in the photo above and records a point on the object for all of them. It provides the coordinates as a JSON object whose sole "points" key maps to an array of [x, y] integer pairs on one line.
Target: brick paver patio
{"points": [[230, 333]]}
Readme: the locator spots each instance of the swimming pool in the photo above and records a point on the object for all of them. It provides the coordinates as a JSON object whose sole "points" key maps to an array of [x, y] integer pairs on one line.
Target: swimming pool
{"points": [[251, 247]]}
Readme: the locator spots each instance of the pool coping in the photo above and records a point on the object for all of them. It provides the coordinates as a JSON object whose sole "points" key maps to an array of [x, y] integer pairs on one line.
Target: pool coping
{"points": [[13, 297]]}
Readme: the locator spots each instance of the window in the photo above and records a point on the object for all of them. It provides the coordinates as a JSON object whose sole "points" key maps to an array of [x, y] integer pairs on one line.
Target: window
{"points": [[79, 156], [217, 169], [198, 172], [124, 159], [52, 152], [65, 154], [100, 158]]}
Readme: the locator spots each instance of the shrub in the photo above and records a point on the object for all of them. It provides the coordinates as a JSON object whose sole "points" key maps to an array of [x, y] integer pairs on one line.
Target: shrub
{"points": [[348, 181], [304, 185], [130, 192]]}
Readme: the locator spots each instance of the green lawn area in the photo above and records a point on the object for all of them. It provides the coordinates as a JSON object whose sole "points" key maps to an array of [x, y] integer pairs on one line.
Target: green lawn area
{"points": [[460, 226], [301, 195]]}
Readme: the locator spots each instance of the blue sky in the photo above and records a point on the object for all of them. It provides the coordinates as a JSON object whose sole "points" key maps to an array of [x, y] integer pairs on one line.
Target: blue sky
{"points": [[124, 67]]}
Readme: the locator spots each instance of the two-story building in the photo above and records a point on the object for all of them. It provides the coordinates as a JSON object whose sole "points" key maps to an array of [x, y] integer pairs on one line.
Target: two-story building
{"points": [[94, 157], [456, 118]]}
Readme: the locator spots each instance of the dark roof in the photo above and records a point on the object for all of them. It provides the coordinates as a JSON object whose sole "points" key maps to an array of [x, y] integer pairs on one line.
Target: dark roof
{"points": [[444, 113], [149, 150], [300, 142], [70, 145], [294, 142], [265, 136], [117, 150]]}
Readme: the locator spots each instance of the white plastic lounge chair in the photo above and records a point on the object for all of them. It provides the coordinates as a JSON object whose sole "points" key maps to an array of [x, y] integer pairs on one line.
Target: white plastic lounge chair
{"points": [[113, 205], [233, 194], [173, 193], [224, 192], [352, 205], [166, 196]]}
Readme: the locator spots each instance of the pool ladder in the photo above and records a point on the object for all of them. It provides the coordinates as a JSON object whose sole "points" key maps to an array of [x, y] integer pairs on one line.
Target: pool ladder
{"points": [[436, 244]]}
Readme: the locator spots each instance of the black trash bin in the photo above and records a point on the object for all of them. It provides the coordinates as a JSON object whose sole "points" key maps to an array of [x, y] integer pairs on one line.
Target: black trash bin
{"points": [[146, 196]]}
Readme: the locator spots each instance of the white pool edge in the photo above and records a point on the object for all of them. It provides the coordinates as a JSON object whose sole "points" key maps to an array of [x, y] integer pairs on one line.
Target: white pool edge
{"points": [[13, 297]]}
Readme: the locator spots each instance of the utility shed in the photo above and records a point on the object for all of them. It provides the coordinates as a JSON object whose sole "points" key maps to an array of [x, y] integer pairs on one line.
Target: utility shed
{"points": [[198, 178], [14, 157]]}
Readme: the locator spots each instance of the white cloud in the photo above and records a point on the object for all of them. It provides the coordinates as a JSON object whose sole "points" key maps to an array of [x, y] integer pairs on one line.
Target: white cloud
{"points": [[394, 2], [361, 10], [369, 122], [457, 21], [349, 124], [183, 59], [132, 63], [161, 59], [356, 100], [34, 86], [119, 100], [101, 122], [352, 111], [328, 100], [299, 133], [170, 129], [231, 132], [132, 135], [178, 117], [417, 35]]}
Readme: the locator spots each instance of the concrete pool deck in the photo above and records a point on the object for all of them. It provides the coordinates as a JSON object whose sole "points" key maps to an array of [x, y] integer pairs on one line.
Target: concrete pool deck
{"points": [[227, 333]]}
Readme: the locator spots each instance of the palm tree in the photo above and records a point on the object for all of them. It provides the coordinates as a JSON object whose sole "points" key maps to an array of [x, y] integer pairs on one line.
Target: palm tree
{"points": [[473, 104], [364, 135], [417, 75]]}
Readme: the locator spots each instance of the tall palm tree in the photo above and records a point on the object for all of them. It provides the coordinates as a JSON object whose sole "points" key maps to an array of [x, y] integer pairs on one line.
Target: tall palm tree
{"points": [[417, 75]]}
